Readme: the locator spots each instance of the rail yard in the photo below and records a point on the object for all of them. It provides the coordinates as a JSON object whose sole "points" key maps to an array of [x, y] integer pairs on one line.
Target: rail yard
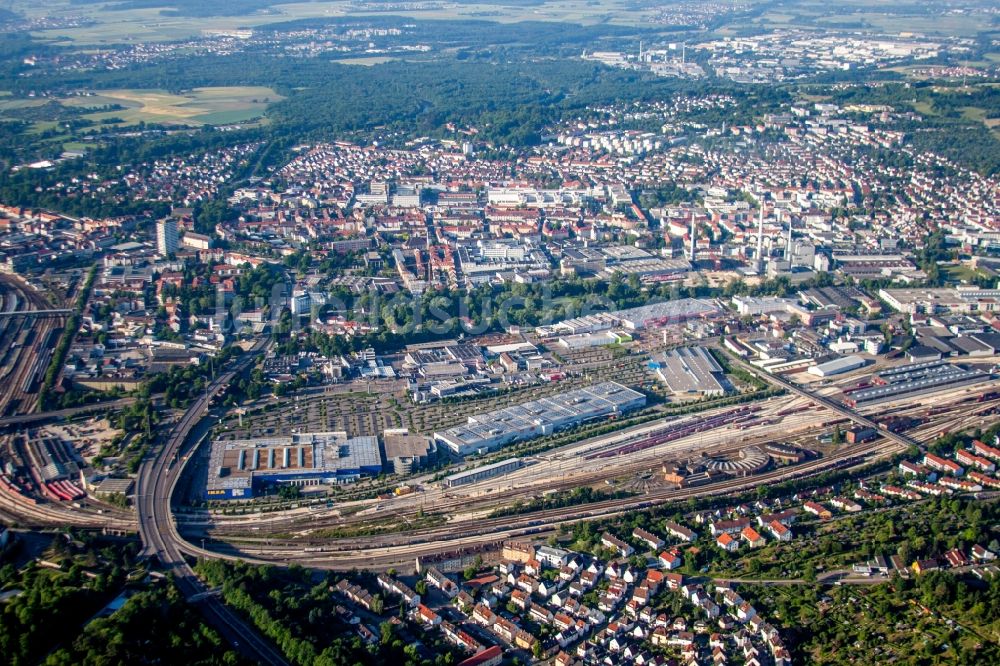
{"points": [[308, 535], [29, 333], [659, 459]]}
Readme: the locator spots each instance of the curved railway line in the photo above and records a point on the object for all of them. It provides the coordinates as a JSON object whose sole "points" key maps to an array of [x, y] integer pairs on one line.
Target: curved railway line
{"points": [[800, 433], [398, 548]]}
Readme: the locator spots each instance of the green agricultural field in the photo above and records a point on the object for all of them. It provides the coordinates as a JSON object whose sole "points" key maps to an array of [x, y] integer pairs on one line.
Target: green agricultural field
{"points": [[200, 106], [560, 11], [980, 114], [150, 25], [961, 273], [8, 103], [114, 26], [850, 14], [931, 25]]}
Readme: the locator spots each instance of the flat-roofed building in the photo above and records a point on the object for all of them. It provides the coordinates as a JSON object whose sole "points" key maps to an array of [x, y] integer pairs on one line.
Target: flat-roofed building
{"points": [[915, 379], [690, 370], [492, 430], [407, 453], [240, 467], [923, 300], [837, 366], [481, 473]]}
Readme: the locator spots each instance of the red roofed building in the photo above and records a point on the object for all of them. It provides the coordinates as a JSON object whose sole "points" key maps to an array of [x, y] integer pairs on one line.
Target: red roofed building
{"points": [[752, 537], [780, 532], [983, 449], [984, 480], [970, 459], [674, 581], [491, 656], [943, 464], [427, 616], [817, 510], [956, 558], [726, 542]]}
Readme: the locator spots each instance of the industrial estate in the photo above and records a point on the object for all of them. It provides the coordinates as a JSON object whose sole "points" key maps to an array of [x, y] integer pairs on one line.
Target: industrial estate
{"points": [[469, 334]]}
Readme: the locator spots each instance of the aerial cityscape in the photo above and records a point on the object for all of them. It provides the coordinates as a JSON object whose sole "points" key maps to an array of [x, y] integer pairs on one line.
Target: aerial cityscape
{"points": [[500, 332]]}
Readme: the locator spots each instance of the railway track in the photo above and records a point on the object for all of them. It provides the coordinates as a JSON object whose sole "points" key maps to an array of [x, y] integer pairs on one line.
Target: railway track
{"points": [[596, 509], [54, 515], [394, 549], [337, 553], [24, 364], [957, 412]]}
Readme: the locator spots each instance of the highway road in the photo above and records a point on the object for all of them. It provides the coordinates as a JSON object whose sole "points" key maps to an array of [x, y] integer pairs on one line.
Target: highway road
{"points": [[154, 489]]}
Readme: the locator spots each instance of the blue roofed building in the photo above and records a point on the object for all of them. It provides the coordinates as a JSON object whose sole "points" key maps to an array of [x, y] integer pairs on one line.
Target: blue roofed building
{"points": [[242, 468]]}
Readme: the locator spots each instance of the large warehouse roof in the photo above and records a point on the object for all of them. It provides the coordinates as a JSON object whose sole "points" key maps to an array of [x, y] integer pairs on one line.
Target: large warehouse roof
{"points": [[689, 370], [540, 417], [234, 463]]}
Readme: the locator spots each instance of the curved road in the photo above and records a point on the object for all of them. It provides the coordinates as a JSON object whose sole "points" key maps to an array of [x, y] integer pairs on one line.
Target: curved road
{"points": [[159, 475], [154, 488]]}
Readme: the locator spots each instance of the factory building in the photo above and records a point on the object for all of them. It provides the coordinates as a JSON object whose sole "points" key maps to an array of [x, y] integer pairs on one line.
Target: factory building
{"points": [[480, 473], [490, 431], [916, 379], [931, 301], [690, 370], [634, 319], [406, 453], [669, 312], [240, 468], [838, 366]]}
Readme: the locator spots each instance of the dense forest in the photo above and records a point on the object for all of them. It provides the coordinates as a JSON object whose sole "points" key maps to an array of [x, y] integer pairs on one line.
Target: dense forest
{"points": [[155, 621], [510, 100], [50, 605]]}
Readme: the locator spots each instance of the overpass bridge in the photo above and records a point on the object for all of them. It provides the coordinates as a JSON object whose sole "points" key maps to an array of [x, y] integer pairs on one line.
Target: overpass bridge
{"points": [[69, 412], [832, 405], [36, 313]]}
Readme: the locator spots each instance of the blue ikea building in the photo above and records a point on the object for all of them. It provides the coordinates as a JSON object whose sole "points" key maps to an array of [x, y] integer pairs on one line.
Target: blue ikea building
{"points": [[243, 468]]}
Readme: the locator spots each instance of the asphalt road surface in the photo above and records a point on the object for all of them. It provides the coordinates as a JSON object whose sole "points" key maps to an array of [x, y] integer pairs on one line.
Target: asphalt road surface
{"points": [[154, 489]]}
